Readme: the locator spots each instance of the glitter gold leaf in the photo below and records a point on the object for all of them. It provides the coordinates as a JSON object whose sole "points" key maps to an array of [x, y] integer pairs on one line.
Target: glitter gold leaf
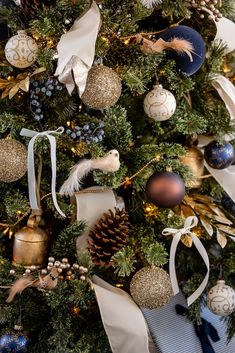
{"points": [[187, 211], [206, 224], [226, 229], [187, 240], [221, 238]]}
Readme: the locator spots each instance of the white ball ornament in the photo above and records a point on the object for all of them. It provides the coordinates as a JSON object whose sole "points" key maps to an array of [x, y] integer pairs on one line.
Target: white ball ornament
{"points": [[21, 50], [159, 104], [221, 299]]}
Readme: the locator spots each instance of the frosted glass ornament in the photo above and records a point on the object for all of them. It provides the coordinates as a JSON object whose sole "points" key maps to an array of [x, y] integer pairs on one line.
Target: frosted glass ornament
{"points": [[221, 299], [159, 104], [21, 50]]}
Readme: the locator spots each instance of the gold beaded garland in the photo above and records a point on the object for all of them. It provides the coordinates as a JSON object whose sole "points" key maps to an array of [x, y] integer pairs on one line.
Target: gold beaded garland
{"points": [[103, 88], [151, 287], [208, 4], [13, 160]]}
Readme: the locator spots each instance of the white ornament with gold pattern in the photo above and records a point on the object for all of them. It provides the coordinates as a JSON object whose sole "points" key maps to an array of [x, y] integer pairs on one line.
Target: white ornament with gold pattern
{"points": [[159, 104], [21, 50]]}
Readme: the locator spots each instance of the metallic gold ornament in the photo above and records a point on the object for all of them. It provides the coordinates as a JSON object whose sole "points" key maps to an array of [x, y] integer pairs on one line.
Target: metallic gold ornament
{"points": [[195, 161], [20, 50], [151, 287], [13, 160], [30, 247], [103, 88]]}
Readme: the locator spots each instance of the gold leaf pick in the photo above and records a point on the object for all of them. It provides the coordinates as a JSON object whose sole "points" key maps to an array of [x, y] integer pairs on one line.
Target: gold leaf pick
{"points": [[221, 238], [226, 229], [208, 227], [187, 240]]}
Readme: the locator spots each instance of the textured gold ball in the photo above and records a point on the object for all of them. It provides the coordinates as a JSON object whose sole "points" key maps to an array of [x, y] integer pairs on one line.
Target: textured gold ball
{"points": [[151, 287], [195, 161], [13, 160], [103, 88]]}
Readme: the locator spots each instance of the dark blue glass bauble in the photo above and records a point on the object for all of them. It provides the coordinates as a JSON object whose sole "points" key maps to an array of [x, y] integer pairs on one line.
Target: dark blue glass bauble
{"points": [[165, 189], [183, 62], [219, 156], [14, 342]]}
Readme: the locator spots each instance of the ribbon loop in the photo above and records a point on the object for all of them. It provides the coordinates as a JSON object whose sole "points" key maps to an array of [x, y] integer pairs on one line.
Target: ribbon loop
{"points": [[189, 223], [31, 165]]}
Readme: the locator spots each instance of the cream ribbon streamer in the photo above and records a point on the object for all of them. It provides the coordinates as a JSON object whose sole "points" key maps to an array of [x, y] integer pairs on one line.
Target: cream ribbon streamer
{"points": [[225, 29], [76, 50], [225, 177], [226, 91], [31, 166], [123, 320], [189, 223]]}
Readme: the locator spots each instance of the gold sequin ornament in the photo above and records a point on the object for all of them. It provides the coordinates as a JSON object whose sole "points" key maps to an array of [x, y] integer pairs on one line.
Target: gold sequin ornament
{"points": [[151, 287], [195, 161], [13, 160], [103, 88]]}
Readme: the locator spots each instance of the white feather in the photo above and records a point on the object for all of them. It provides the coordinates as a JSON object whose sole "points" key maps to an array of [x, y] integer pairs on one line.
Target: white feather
{"points": [[77, 173], [109, 163], [150, 3]]}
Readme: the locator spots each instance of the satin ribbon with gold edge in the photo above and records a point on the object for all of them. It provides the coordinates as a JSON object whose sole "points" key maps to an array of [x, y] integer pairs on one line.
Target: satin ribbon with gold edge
{"points": [[31, 165], [189, 223]]}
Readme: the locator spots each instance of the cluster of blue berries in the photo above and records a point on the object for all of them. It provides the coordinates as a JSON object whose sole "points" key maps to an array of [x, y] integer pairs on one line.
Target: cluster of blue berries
{"points": [[89, 133], [39, 90]]}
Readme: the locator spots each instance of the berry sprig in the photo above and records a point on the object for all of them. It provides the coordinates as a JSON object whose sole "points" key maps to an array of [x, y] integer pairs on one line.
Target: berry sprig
{"points": [[88, 133], [39, 90]]}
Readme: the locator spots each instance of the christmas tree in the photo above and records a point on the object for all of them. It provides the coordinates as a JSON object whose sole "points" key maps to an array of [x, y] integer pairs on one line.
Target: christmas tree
{"points": [[136, 97]]}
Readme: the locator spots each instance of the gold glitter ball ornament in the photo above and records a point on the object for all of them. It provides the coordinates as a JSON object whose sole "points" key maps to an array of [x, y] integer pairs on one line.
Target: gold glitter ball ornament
{"points": [[21, 50], [13, 160], [151, 287], [103, 88]]}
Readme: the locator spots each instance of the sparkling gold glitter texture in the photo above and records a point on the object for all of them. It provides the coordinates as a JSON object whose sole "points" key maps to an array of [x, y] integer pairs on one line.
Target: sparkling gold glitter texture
{"points": [[151, 287], [103, 88], [13, 160]]}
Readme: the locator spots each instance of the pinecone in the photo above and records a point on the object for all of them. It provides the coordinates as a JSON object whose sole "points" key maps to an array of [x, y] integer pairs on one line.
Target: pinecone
{"points": [[108, 236], [31, 6]]}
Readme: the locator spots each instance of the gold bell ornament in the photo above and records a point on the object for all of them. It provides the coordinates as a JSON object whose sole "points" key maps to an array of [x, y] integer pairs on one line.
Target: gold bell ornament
{"points": [[195, 161], [30, 244]]}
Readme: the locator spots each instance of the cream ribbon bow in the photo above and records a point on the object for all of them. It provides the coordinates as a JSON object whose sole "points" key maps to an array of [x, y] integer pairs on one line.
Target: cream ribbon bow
{"points": [[31, 166], [189, 223]]}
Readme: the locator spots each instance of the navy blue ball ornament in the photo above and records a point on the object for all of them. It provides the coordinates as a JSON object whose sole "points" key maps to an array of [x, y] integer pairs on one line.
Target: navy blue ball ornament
{"points": [[219, 156], [14, 342], [183, 62], [165, 189]]}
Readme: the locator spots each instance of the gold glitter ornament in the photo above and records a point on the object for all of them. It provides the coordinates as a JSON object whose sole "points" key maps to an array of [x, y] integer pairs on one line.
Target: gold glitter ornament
{"points": [[13, 160], [103, 88], [151, 287]]}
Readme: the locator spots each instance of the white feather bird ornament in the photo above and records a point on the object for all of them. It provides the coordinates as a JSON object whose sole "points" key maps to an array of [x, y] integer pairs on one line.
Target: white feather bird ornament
{"points": [[109, 163]]}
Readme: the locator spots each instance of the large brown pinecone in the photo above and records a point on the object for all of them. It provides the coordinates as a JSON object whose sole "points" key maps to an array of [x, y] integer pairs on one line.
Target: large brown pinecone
{"points": [[31, 6], [108, 236]]}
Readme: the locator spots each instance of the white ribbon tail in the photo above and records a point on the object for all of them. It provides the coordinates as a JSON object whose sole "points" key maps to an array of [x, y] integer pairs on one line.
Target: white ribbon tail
{"points": [[202, 251], [173, 277], [53, 176], [31, 175], [31, 165]]}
